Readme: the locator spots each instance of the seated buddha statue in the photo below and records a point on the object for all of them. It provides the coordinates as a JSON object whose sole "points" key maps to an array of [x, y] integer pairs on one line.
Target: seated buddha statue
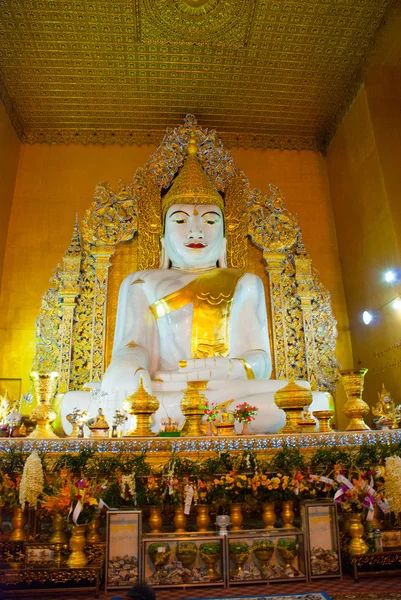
{"points": [[194, 318]]}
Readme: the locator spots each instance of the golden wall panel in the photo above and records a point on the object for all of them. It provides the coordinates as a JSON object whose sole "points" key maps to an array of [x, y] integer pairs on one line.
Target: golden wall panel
{"points": [[9, 154], [365, 187]]}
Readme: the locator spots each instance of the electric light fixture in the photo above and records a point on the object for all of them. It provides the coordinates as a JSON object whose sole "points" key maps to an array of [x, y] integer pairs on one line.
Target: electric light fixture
{"points": [[367, 317], [390, 276], [397, 304]]}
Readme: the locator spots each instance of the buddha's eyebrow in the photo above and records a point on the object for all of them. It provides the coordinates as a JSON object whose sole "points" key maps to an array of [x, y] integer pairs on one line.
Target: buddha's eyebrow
{"points": [[179, 211], [211, 212]]}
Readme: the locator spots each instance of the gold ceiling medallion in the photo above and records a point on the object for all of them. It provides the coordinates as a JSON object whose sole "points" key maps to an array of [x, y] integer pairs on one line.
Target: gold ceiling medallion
{"points": [[201, 21]]}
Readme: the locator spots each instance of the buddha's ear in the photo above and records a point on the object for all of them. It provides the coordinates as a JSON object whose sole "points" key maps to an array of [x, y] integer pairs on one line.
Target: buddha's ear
{"points": [[164, 259], [222, 262]]}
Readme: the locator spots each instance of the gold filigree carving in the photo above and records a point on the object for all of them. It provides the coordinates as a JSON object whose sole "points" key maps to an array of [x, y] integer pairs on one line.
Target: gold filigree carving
{"points": [[111, 218], [236, 221]]}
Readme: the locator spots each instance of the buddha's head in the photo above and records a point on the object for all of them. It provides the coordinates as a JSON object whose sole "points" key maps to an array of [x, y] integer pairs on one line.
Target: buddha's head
{"points": [[193, 212]]}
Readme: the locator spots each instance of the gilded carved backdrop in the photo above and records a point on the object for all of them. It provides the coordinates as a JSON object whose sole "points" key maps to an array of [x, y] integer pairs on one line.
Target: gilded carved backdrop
{"points": [[123, 226]]}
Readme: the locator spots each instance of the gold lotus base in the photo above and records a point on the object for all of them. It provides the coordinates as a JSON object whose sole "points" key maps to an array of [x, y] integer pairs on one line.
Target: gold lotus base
{"points": [[99, 432]]}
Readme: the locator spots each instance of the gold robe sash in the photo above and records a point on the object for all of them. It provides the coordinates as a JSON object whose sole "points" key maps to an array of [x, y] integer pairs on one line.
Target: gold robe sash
{"points": [[212, 296]]}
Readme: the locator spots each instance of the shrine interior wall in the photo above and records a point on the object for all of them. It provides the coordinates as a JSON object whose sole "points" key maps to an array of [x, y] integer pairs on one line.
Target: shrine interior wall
{"points": [[56, 181], [365, 183], [9, 154]]}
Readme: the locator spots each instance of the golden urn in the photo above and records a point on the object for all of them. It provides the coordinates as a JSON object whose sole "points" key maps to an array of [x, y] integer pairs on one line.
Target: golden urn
{"points": [[292, 399], [142, 406], [355, 408], [45, 386]]}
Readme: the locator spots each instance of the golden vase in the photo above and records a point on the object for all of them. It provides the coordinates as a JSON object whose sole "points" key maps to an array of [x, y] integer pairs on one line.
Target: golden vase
{"points": [[355, 408], [263, 552], [18, 522], [202, 517], [45, 387], [210, 559], [93, 536], [357, 544], [192, 407], [236, 516], [268, 514], [180, 519], [142, 406], [287, 514], [155, 519], [239, 559], [59, 535], [292, 399], [77, 558]]}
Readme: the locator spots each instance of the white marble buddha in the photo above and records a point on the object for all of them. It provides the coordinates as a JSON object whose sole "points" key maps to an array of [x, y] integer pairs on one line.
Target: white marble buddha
{"points": [[194, 318]]}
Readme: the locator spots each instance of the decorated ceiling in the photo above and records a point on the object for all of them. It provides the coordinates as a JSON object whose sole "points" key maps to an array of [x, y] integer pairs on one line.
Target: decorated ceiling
{"points": [[264, 73]]}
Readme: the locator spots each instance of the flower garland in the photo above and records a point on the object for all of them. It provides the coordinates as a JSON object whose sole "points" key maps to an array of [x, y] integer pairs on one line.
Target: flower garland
{"points": [[393, 483], [32, 481]]}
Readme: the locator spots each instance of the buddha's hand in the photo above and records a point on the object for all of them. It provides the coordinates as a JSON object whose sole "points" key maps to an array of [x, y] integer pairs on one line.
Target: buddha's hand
{"points": [[123, 377], [205, 369]]}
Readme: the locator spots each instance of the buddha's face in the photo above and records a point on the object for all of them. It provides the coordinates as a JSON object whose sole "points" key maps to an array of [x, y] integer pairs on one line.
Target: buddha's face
{"points": [[194, 235]]}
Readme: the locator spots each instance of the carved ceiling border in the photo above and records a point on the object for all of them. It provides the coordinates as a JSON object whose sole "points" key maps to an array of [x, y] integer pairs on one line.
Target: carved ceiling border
{"points": [[139, 137]]}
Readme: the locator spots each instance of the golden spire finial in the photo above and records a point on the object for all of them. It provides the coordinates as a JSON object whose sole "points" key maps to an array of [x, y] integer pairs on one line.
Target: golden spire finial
{"points": [[192, 185]]}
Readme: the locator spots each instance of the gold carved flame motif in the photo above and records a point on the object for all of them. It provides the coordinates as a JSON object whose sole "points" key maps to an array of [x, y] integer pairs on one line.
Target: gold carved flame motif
{"points": [[123, 228]]}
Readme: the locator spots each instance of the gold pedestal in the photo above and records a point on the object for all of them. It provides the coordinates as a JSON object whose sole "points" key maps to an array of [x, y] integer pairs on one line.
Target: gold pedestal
{"points": [[44, 417], [324, 417], [192, 407], [292, 399], [355, 408], [142, 406]]}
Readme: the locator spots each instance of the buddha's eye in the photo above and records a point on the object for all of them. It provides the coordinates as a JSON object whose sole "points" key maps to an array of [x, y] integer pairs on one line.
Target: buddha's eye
{"points": [[180, 221], [210, 221]]}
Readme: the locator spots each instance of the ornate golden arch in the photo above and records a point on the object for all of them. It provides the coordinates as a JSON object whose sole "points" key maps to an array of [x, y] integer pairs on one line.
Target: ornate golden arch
{"points": [[124, 226]]}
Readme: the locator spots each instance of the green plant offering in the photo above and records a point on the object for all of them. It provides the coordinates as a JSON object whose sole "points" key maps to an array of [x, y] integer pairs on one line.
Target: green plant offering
{"points": [[238, 547], [210, 548], [287, 543], [154, 547], [262, 545], [186, 548]]}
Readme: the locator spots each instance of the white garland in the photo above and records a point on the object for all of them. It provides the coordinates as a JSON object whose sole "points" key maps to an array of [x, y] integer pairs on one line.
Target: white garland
{"points": [[393, 483], [32, 481], [129, 481]]}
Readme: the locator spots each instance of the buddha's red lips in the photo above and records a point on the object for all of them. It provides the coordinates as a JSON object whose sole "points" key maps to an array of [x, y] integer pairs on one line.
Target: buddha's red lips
{"points": [[198, 245]]}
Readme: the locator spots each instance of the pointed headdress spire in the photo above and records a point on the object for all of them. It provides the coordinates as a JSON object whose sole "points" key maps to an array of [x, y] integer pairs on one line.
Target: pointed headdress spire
{"points": [[192, 185]]}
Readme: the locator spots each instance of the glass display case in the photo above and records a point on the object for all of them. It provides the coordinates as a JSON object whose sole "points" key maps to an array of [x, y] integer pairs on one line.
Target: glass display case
{"points": [[322, 541], [260, 556], [183, 560]]}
